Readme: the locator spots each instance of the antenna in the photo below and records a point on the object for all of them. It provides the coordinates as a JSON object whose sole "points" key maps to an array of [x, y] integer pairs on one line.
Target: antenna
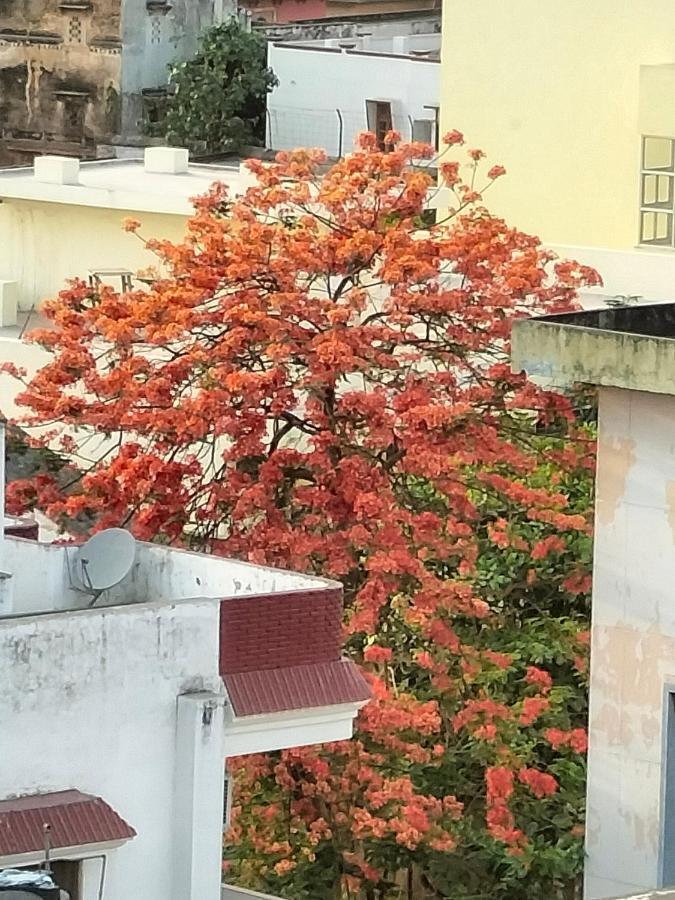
{"points": [[103, 561]]}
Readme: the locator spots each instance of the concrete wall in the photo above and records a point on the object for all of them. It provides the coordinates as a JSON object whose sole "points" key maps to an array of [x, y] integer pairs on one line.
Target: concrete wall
{"points": [[633, 650], [331, 28], [560, 111], [43, 244], [377, 7], [89, 701], [287, 10], [314, 83], [42, 578], [47, 56], [154, 40]]}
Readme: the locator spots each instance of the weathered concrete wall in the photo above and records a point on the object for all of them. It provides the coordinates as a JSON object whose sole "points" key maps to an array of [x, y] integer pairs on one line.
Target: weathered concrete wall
{"points": [[70, 79], [378, 7], [330, 28], [153, 40], [633, 650], [89, 702], [59, 75]]}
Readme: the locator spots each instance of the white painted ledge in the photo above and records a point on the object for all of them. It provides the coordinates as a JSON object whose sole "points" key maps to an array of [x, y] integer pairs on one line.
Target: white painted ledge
{"points": [[281, 731], [230, 892]]}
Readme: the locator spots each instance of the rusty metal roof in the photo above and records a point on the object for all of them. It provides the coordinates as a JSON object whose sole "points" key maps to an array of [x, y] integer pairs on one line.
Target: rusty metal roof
{"points": [[74, 819], [296, 687]]}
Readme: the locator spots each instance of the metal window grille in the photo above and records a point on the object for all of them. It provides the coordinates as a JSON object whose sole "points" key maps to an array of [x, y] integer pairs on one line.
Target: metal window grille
{"points": [[155, 30], [75, 30], [657, 192]]}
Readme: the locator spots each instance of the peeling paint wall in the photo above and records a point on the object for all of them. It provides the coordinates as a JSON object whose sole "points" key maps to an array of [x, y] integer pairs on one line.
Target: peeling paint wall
{"points": [[59, 77], [91, 698], [633, 650], [72, 78]]}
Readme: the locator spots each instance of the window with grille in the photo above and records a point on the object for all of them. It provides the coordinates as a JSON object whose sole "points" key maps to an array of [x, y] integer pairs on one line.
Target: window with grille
{"points": [[75, 30], [657, 192], [155, 30]]}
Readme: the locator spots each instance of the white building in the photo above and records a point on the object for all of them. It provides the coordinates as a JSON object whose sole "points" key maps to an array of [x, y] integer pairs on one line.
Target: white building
{"points": [[116, 718], [629, 353], [61, 219], [331, 90]]}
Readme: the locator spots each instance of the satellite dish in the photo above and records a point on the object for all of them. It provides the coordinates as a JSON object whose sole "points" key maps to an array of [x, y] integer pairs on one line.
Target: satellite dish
{"points": [[103, 561]]}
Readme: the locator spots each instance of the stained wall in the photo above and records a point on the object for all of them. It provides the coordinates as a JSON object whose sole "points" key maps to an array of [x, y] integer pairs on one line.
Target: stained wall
{"points": [[633, 644]]}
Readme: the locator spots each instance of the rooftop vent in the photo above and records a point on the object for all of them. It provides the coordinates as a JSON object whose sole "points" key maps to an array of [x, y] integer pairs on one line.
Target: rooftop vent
{"points": [[166, 160], [56, 169]]}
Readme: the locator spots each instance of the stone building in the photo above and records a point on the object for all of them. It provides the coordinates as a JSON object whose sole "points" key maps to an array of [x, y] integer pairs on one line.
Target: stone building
{"points": [[78, 74]]}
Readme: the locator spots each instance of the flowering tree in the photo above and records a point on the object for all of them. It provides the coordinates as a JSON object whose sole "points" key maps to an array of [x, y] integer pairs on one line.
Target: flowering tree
{"points": [[319, 378]]}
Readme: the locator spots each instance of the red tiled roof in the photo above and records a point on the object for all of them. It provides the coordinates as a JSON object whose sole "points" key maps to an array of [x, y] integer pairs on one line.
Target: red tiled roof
{"points": [[289, 628], [74, 819], [296, 687]]}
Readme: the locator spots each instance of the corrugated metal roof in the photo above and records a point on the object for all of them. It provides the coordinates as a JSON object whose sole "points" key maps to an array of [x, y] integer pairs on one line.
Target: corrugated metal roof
{"points": [[74, 819], [296, 687]]}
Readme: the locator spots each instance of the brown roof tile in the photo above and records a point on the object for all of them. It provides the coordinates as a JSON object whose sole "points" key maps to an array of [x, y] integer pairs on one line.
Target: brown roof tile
{"points": [[295, 687], [74, 818]]}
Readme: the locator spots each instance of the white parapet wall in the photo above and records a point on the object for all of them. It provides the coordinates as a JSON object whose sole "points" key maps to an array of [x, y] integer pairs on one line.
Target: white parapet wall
{"points": [[230, 892]]}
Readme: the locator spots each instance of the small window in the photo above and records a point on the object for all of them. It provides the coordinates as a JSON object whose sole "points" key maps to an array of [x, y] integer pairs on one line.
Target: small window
{"points": [[378, 113], [67, 874], [227, 805], [73, 119], [668, 797], [74, 30], [155, 30], [657, 192], [423, 130]]}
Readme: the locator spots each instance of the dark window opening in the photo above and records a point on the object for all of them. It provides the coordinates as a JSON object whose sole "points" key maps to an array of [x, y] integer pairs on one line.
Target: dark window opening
{"points": [[668, 823], [378, 113], [67, 874]]}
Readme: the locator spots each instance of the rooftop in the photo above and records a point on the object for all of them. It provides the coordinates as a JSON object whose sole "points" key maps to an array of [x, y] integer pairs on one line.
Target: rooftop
{"points": [[629, 347], [422, 47], [43, 578], [162, 182], [279, 632]]}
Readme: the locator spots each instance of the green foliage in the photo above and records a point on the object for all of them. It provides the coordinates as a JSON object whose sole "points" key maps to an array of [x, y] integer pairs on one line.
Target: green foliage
{"points": [[218, 99]]}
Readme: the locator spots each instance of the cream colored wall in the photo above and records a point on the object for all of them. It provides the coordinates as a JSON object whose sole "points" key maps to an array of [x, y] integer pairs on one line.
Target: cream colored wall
{"points": [[43, 244], [550, 89], [633, 644]]}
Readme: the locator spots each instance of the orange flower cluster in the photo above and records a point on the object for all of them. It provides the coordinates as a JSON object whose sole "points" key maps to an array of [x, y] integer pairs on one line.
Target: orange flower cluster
{"points": [[317, 377]]}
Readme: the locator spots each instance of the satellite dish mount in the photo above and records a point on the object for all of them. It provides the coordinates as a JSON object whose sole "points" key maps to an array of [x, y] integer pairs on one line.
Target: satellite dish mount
{"points": [[102, 562]]}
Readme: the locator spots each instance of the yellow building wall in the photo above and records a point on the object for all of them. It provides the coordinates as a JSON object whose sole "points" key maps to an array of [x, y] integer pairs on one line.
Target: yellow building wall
{"points": [[44, 244], [551, 90]]}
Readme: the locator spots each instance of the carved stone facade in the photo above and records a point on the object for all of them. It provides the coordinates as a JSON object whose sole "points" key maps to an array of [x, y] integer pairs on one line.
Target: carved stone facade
{"points": [[75, 74]]}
